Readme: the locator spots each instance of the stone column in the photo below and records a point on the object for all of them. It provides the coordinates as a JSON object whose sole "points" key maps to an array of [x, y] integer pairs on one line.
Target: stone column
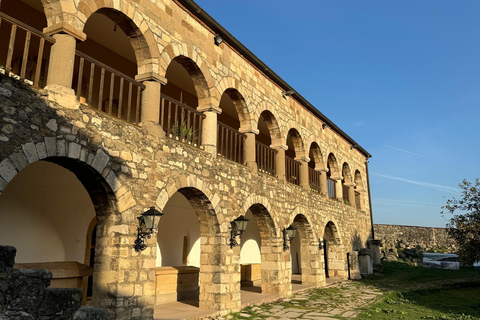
{"points": [[249, 154], [351, 194], [150, 115], [209, 128], [338, 187], [275, 279], [375, 246], [304, 181], [353, 265], [365, 261], [323, 181], [60, 68], [280, 160]]}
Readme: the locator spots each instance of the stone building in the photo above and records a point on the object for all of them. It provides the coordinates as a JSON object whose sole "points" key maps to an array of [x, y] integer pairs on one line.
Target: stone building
{"points": [[141, 103]]}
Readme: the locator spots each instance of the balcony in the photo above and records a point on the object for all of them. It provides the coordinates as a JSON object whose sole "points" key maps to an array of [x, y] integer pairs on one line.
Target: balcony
{"points": [[25, 53]]}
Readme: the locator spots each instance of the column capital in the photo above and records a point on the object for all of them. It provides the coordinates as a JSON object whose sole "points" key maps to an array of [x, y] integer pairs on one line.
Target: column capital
{"points": [[209, 108], [303, 159], [319, 169], [65, 28], [249, 130], [350, 184], [279, 146], [338, 178], [151, 76]]}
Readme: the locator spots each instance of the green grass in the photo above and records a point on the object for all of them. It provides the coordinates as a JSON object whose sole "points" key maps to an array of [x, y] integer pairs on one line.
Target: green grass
{"points": [[420, 293]]}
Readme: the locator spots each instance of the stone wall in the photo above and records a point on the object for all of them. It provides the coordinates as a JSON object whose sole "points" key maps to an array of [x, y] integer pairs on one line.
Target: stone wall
{"points": [[396, 236], [24, 294]]}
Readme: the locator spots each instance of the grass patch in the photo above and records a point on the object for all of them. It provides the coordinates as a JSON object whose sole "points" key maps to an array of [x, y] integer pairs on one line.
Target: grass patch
{"points": [[459, 302], [421, 293], [401, 276]]}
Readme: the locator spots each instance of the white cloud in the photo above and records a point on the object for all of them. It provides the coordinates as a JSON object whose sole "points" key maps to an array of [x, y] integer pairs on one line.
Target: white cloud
{"points": [[439, 187]]}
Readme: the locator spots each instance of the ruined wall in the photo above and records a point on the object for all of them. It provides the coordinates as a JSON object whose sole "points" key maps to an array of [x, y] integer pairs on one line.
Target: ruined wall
{"points": [[396, 236]]}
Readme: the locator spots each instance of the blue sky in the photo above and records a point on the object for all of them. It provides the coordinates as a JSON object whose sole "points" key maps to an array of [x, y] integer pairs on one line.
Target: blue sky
{"points": [[402, 78]]}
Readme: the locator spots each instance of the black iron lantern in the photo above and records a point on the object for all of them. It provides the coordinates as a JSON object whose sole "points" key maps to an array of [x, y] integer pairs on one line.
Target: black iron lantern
{"points": [[237, 227], [288, 235], [321, 244], [147, 222]]}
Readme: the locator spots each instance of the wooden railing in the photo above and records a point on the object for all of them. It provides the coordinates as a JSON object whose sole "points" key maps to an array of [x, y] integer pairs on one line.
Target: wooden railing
{"points": [[346, 197], [106, 89], [180, 121], [265, 157], [292, 171], [230, 143], [314, 179], [331, 188], [24, 54]]}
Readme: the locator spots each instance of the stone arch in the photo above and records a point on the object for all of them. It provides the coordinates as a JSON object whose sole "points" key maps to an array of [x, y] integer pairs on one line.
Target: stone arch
{"points": [[334, 251], [199, 79], [332, 164], [297, 141], [108, 195], [346, 173], [310, 259], [243, 112], [315, 155], [210, 235], [272, 125], [360, 190], [135, 28]]}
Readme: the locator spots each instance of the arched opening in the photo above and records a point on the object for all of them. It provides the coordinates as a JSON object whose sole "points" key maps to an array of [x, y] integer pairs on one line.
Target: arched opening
{"points": [[269, 133], [186, 251], [315, 164], [179, 117], [256, 255], [305, 257], [295, 148], [47, 213], [359, 191], [230, 141], [333, 252], [331, 172], [26, 40], [347, 185], [106, 65]]}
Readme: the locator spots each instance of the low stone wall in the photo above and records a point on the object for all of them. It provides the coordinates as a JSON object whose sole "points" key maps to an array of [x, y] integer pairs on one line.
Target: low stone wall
{"points": [[24, 294], [400, 237]]}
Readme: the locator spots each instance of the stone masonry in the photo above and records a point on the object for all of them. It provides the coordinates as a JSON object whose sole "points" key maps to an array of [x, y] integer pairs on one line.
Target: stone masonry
{"points": [[126, 168]]}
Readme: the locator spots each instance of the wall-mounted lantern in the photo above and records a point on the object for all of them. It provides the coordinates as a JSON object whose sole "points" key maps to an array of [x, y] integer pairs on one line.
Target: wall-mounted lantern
{"points": [[217, 39], [147, 223], [288, 235], [321, 244], [238, 226]]}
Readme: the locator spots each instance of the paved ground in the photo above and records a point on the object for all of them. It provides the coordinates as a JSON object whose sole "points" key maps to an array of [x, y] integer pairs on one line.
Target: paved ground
{"points": [[341, 300]]}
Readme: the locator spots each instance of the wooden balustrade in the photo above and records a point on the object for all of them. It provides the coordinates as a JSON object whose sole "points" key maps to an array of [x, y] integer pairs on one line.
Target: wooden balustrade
{"points": [[230, 143], [314, 179], [106, 89], [180, 121], [24, 51], [331, 188], [292, 171], [265, 157]]}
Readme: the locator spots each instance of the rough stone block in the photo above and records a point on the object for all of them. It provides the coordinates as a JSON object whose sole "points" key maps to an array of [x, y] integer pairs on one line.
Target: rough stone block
{"points": [[100, 161], [74, 150], [7, 170], [60, 304], [90, 313], [16, 315], [19, 160], [41, 150], [26, 289], [30, 152]]}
